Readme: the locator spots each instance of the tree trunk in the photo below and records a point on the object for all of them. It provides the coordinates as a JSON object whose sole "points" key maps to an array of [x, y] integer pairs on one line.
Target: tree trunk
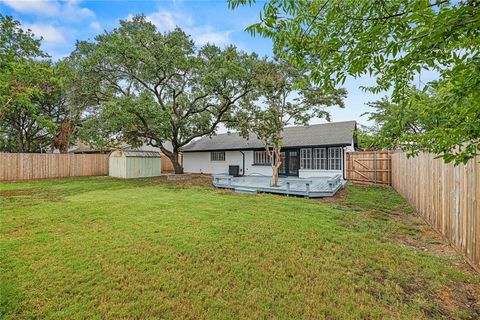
{"points": [[62, 140], [21, 146], [173, 156], [275, 176], [276, 162], [176, 164]]}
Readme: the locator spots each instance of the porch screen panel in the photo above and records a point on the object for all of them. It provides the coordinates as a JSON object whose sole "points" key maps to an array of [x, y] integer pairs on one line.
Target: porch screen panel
{"points": [[305, 158], [335, 158], [320, 158]]}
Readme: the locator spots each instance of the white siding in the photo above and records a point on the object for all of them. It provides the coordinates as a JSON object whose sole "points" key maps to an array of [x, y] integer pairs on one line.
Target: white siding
{"points": [[199, 162]]}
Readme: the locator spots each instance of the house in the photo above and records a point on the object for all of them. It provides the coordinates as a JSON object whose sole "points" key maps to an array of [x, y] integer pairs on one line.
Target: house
{"points": [[81, 148], [309, 151]]}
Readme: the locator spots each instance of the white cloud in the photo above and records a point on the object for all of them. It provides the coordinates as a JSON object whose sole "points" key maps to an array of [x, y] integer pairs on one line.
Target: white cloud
{"points": [[166, 20], [51, 34], [40, 7], [72, 11], [95, 25], [66, 10], [204, 35]]}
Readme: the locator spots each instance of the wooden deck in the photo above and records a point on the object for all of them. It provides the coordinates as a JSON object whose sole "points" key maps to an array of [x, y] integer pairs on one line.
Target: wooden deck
{"points": [[311, 187]]}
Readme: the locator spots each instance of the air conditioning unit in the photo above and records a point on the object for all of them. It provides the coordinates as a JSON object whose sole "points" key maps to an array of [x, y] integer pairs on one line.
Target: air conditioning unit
{"points": [[234, 171]]}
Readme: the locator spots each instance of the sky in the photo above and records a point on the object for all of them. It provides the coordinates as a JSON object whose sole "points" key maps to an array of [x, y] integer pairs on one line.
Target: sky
{"points": [[62, 23]]}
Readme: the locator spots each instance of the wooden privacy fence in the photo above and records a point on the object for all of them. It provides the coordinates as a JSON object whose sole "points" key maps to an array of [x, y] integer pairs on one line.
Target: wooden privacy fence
{"points": [[25, 166], [368, 167], [167, 165], [446, 196]]}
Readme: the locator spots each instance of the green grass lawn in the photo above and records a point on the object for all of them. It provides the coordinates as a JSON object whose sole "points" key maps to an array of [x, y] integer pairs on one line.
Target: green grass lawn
{"points": [[93, 248]]}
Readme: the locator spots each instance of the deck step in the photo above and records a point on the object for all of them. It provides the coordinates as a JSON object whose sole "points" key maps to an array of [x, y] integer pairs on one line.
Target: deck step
{"points": [[245, 190]]}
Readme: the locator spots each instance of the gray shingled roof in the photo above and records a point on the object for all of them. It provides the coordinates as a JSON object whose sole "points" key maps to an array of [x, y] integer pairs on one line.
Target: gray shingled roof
{"points": [[333, 133]]}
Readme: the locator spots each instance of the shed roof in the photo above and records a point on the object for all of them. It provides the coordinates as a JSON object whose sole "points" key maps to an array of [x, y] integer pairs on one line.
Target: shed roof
{"points": [[333, 133], [135, 153]]}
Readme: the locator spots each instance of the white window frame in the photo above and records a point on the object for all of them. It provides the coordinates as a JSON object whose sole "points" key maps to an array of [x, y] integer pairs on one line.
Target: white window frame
{"points": [[335, 158], [217, 156], [261, 158], [320, 158], [306, 158]]}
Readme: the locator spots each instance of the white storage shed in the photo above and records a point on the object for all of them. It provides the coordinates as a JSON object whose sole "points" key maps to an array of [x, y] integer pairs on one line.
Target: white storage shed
{"points": [[134, 164]]}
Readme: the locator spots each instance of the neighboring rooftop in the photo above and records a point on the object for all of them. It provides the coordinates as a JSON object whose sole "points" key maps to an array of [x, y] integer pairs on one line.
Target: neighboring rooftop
{"points": [[333, 133], [126, 147], [87, 149]]}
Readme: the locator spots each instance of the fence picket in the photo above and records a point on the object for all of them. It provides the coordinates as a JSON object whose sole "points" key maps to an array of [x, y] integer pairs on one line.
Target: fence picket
{"points": [[445, 196], [24, 166]]}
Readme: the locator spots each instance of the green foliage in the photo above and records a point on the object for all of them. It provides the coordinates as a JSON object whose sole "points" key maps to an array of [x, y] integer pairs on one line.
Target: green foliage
{"points": [[368, 137], [155, 87], [26, 109], [16, 44], [392, 41], [18, 48], [443, 119], [33, 103]]}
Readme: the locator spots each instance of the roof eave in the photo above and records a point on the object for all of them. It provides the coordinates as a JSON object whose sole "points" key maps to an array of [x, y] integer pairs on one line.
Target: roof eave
{"points": [[344, 144]]}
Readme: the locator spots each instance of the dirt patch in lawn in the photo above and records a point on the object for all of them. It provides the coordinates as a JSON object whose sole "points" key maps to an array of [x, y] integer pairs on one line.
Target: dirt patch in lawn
{"points": [[338, 198], [26, 197]]}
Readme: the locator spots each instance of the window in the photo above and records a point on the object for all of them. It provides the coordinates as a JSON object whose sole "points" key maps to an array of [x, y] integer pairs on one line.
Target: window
{"points": [[217, 156], [320, 158], [335, 158], [261, 157], [305, 158]]}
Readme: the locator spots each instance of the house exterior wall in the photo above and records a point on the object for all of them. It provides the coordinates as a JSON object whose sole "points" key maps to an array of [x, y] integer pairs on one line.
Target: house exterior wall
{"points": [[199, 162]]}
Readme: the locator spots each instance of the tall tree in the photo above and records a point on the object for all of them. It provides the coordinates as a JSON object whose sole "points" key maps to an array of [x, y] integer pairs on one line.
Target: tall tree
{"points": [[30, 104], [73, 100], [282, 98], [34, 107], [368, 137], [158, 87], [17, 47], [16, 44], [393, 41], [439, 119]]}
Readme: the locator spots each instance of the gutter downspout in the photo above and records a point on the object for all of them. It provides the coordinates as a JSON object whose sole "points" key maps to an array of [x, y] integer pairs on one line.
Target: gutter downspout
{"points": [[344, 164], [243, 162]]}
